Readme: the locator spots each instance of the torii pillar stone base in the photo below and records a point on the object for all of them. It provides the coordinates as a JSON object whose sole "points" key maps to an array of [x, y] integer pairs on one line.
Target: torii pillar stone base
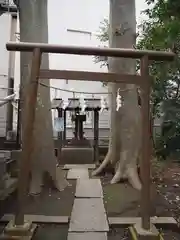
{"points": [[18, 232], [138, 233]]}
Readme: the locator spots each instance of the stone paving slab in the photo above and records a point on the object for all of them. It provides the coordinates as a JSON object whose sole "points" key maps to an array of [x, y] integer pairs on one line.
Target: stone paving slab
{"points": [[87, 236], [38, 218], [74, 166], [89, 188], [88, 215], [134, 220], [78, 173]]}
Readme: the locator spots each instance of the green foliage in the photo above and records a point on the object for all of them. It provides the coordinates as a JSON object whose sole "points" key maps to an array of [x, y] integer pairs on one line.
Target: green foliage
{"points": [[103, 36], [161, 31], [103, 33]]}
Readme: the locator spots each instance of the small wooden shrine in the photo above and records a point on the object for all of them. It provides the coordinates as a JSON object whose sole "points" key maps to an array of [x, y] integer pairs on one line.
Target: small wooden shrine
{"points": [[79, 141]]}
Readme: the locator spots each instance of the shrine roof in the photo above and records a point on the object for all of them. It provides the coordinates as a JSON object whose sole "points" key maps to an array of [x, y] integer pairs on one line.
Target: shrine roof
{"points": [[74, 103]]}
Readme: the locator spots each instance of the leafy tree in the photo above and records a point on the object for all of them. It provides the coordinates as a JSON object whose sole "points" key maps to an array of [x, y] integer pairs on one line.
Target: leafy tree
{"points": [[103, 36], [161, 31]]}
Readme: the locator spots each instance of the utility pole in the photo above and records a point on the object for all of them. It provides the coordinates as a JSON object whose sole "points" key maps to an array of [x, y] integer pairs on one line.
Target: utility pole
{"points": [[11, 70]]}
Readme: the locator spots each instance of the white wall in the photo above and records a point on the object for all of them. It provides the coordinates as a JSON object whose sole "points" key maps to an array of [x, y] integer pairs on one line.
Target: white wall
{"points": [[75, 15], [84, 16], [4, 58]]}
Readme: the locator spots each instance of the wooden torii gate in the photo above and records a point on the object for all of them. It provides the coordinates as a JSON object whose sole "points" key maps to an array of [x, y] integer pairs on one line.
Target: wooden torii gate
{"points": [[143, 80]]}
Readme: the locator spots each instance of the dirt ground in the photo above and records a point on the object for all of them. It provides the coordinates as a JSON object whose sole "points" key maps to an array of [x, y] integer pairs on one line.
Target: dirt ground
{"points": [[120, 200], [50, 203]]}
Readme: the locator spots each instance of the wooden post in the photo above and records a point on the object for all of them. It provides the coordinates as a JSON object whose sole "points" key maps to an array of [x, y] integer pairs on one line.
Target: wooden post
{"points": [[76, 127], [18, 134], [27, 140], [64, 133], [96, 135], [9, 122], [146, 155], [59, 136]]}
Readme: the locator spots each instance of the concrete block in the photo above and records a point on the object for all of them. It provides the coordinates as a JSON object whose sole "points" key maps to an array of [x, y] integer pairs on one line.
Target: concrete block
{"points": [[138, 233], [23, 232], [12, 229], [77, 155]]}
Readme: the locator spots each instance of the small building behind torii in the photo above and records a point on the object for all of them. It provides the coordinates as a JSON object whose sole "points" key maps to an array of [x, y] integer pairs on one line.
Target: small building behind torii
{"points": [[79, 144]]}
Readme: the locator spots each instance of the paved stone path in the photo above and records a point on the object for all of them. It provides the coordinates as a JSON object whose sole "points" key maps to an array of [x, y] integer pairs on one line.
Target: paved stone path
{"points": [[88, 236], [78, 174], [75, 166], [89, 188], [88, 218]]}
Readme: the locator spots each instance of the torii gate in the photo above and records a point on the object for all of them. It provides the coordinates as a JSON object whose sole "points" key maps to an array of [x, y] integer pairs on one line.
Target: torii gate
{"points": [[143, 80]]}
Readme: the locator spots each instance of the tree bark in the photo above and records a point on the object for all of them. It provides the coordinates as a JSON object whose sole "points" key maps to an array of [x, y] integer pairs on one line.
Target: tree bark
{"points": [[125, 137], [34, 28]]}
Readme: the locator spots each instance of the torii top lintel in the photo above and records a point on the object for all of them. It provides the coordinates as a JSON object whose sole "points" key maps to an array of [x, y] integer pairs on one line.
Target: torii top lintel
{"points": [[97, 51]]}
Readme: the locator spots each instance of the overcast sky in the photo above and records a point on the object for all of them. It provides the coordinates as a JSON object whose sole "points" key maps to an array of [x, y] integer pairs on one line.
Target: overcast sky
{"points": [[140, 5]]}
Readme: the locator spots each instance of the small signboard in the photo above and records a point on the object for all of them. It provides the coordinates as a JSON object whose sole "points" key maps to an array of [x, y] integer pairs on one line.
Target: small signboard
{"points": [[59, 124]]}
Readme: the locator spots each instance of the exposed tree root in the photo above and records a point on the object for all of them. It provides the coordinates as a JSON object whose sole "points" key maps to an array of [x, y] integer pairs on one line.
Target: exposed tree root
{"points": [[127, 169], [103, 164], [120, 168], [133, 178], [131, 175], [36, 182], [116, 178], [60, 182], [58, 177]]}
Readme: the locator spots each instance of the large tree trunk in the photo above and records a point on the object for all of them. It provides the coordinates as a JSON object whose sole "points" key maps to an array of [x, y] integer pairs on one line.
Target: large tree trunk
{"points": [[34, 28], [125, 134]]}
